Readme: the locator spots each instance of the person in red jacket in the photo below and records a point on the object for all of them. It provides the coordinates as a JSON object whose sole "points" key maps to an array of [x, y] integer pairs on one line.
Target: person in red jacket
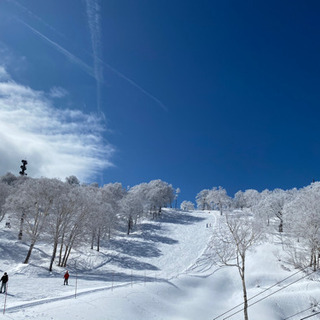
{"points": [[66, 277]]}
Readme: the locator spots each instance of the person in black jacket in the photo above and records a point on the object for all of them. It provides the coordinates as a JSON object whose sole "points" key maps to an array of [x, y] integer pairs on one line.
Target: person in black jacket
{"points": [[4, 280]]}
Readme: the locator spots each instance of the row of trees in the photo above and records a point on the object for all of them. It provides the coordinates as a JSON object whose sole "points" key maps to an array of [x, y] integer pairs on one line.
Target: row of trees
{"points": [[66, 214], [293, 215], [294, 212]]}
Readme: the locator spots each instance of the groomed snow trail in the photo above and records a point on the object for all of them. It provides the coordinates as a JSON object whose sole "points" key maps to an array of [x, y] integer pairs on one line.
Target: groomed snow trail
{"points": [[154, 255]]}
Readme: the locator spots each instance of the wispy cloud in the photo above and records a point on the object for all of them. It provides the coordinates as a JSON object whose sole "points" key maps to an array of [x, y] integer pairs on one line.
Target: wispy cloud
{"points": [[3, 74], [94, 22], [58, 92], [56, 143]]}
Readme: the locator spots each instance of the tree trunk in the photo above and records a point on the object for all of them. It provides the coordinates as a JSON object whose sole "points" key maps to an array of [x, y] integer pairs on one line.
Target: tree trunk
{"points": [[29, 253], [61, 249], [245, 298], [130, 225], [67, 257], [281, 221], [220, 208], [98, 240], [92, 240], [55, 245], [244, 288], [21, 226], [63, 262]]}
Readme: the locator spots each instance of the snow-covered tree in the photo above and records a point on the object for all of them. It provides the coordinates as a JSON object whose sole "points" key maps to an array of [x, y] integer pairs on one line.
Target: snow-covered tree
{"points": [[97, 223], [159, 194], [9, 178], [176, 198], [187, 206], [5, 190], [73, 180], [58, 221], [272, 205], [74, 232], [217, 197], [239, 200], [112, 194], [131, 209], [34, 199], [303, 219], [231, 242], [201, 200]]}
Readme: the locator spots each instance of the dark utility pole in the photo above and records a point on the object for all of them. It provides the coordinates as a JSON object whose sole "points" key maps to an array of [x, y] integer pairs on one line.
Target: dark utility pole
{"points": [[23, 167], [22, 173]]}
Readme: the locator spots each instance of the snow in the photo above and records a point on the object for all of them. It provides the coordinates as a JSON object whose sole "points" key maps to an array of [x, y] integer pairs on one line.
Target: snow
{"points": [[161, 271]]}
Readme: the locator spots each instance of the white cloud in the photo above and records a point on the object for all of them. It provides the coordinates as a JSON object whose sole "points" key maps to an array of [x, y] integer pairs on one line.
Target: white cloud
{"points": [[56, 143], [3, 74], [58, 92]]}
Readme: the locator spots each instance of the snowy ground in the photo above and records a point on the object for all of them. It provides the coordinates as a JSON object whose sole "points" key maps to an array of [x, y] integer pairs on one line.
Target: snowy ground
{"points": [[162, 271]]}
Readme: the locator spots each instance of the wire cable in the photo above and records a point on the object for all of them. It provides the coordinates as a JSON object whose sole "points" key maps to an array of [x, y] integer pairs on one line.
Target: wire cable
{"points": [[312, 315], [299, 313], [270, 294], [240, 304]]}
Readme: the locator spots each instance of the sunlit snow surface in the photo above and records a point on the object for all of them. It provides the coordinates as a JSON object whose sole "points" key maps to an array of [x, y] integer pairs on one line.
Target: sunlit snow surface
{"points": [[163, 270]]}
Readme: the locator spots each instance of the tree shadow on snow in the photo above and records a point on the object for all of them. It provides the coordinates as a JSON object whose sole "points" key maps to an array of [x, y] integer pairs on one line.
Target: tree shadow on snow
{"points": [[117, 277], [13, 252], [180, 218], [132, 264], [135, 248]]}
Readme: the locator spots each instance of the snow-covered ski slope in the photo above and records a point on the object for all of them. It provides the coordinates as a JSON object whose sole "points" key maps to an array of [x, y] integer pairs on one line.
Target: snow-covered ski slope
{"points": [[161, 271]]}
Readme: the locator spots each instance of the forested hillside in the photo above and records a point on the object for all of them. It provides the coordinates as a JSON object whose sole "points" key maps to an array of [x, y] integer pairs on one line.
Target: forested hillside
{"points": [[120, 241]]}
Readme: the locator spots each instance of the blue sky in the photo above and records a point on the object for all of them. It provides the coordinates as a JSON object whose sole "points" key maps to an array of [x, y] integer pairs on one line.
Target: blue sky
{"points": [[196, 93]]}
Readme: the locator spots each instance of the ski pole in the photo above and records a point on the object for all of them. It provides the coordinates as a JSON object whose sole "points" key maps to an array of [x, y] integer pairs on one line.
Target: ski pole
{"points": [[5, 299]]}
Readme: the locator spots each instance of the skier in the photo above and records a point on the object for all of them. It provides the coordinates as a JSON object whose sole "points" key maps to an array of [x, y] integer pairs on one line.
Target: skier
{"points": [[66, 277], [4, 280]]}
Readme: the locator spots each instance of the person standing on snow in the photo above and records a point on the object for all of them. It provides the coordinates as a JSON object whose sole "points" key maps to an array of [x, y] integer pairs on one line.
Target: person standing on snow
{"points": [[66, 277], [4, 280]]}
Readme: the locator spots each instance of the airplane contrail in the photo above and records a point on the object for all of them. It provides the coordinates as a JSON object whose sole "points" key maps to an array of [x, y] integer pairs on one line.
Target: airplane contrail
{"points": [[89, 70], [34, 16], [62, 50], [93, 15], [134, 84]]}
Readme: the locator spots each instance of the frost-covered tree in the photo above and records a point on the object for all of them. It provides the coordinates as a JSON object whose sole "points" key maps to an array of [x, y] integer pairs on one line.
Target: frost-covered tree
{"points": [[236, 235], [159, 194], [5, 190], [251, 198], [112, 195], [97, 223], [74, 231], [176, 197], [201, 200], [303, 219], [217, 197], [239, 200], [272, 205], [187, 206], [9, 179], [131, 209], [73, 180], [34, 198], [59, 220]]}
